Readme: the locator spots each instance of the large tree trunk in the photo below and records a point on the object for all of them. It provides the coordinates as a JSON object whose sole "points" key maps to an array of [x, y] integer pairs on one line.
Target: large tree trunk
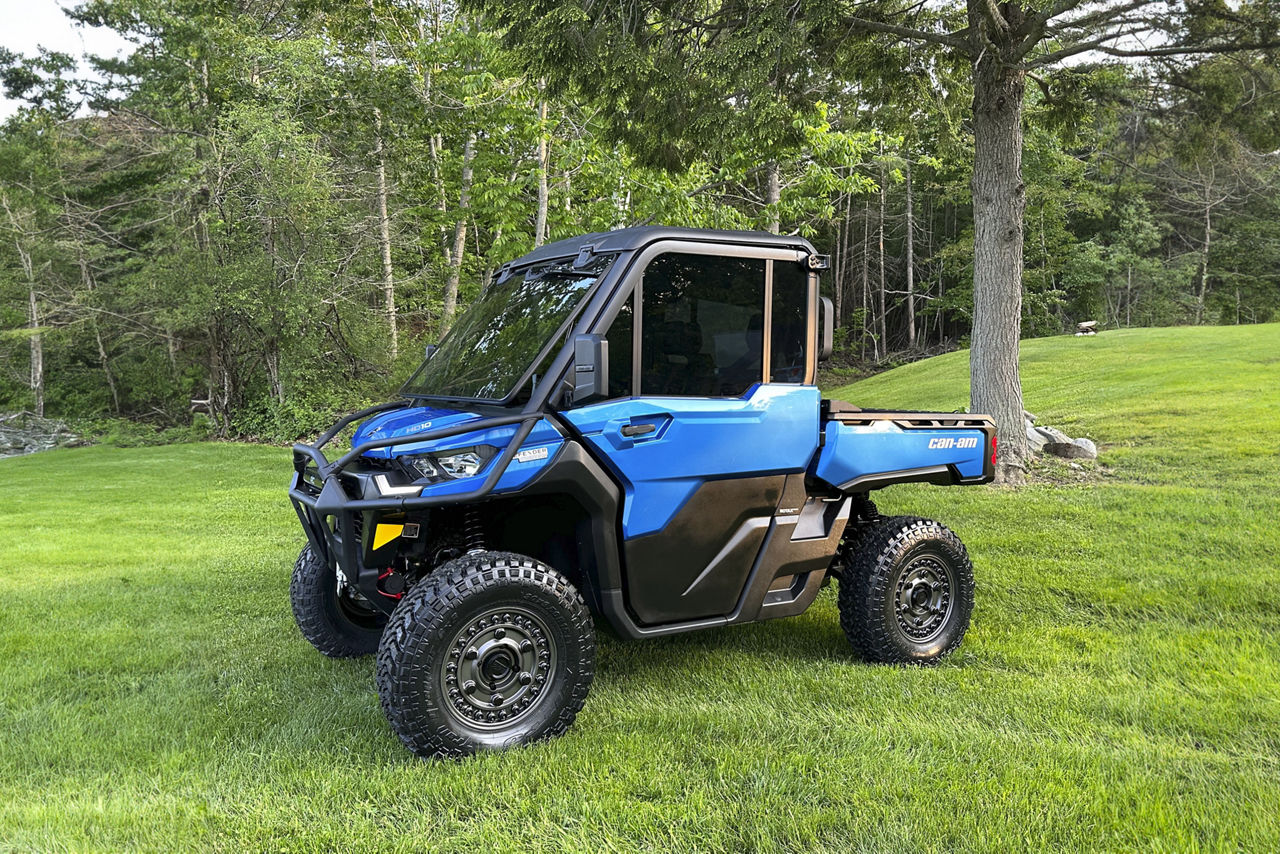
{"points": [[998, 205], [459, 235]]}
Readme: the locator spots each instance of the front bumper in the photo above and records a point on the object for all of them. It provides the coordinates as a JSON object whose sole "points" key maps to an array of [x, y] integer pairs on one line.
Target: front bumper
{"points": [[341, 504]]}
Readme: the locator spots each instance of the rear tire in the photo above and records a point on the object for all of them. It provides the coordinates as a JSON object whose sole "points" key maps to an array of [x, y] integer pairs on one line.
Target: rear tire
{"points": [[340, 626], [906, 593], [489, 651]]}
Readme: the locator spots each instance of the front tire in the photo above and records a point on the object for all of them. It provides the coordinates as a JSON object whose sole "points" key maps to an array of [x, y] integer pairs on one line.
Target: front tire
{"points": [[489, 651], [335, 622], [906, 592]]}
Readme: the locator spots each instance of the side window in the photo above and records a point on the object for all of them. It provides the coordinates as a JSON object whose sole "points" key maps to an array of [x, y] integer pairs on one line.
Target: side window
{"points": [[620, 338], [790, 308], [702, 325]]}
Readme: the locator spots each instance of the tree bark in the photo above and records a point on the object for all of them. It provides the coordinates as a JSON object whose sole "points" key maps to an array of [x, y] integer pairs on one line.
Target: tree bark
{"points": [[866, 271], [773, 195], [1128, 297], [544, 166], [36, 341], [999, 200], [909, 250], [384, 222], [1204, 261], [459, 235], [37, 346], [881, 336], [384, 239], [842, 262]]}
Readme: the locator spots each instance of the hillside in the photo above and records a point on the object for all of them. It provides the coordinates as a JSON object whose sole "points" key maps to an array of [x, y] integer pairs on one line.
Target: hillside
{"points": [[1118, 689]]}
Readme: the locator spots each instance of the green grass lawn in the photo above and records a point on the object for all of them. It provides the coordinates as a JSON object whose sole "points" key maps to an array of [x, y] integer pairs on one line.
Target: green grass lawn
{"points": [[1118, 689]]}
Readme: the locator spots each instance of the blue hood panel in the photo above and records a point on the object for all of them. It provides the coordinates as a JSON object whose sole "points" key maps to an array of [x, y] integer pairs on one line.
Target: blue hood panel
{"points": [[420, 419], [406, 422]]}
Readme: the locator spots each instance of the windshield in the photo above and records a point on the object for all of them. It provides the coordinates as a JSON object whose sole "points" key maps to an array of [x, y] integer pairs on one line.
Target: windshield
{"points": [[494, 342]]}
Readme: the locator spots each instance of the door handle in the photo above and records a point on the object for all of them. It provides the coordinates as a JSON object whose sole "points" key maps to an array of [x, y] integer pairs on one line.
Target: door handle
{"points": [[633, 430]]}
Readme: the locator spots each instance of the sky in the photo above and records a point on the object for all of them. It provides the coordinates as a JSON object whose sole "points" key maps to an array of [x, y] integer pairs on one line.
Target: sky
{"points": [[26, 25]]}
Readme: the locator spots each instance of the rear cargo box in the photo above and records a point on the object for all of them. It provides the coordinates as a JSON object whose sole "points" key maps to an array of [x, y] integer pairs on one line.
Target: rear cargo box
{"points": [[865, 449]]}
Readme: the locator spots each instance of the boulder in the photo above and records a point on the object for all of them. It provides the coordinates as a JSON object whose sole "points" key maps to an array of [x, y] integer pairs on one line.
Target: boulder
{"points": [[1068, 450], [1035, 441], [1090, 448], [1052, 434]]}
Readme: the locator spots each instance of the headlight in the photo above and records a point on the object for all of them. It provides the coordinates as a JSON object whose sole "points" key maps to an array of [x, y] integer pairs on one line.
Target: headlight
{"points": [[448, 465], [424, 466], [461, 464]]}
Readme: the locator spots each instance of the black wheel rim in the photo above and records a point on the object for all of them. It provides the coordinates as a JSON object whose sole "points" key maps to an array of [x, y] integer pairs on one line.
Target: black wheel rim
{"points": [[498, 668], [923, 600]]}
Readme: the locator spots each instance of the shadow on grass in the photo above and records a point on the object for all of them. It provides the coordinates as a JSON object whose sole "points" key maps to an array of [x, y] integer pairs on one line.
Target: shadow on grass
{"points": [[812, 637]]}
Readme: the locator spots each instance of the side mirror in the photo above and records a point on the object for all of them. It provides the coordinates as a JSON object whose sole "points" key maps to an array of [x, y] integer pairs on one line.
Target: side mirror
{"points": [[826, 329], [431, 350], [590, 367]]}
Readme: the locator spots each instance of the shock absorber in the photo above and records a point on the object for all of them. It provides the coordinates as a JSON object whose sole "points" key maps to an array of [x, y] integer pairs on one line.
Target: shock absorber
{"points": [[473, 530], [863, 509]]}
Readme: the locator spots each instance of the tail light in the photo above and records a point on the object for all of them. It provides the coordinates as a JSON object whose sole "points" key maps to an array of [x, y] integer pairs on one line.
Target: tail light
{"points": [[993, 451]]}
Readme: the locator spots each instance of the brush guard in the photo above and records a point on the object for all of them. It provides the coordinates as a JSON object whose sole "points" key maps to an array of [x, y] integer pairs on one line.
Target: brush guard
{"points": [[334, 520]]}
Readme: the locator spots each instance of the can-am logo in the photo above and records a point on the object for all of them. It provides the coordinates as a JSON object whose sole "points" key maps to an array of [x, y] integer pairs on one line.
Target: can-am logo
{"points": [[943, 443]]}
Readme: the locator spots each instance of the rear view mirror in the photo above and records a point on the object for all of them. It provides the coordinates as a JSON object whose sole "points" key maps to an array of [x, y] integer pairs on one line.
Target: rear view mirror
{"points": [[826, 329], [590, 367], [431, 351]]}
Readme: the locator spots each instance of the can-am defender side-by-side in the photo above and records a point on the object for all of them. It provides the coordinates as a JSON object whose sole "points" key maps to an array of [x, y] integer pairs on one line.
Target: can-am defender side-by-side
{"points": [[622, 425]]}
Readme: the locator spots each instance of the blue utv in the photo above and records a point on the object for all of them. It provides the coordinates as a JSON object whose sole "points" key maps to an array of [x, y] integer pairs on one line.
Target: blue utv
{"points": [[624, 426]]}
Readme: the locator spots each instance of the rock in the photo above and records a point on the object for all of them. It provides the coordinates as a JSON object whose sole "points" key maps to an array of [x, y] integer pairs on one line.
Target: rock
{"points": [[1068, 450], [1088, 446], [1052, 434], [24, 433], [1035, 442]]}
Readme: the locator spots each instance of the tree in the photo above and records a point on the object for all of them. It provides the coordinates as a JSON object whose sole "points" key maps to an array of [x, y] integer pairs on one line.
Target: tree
{"points": [[670, 74]]}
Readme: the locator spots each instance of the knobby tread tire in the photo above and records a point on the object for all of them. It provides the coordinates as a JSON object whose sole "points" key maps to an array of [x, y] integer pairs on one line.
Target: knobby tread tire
{"points": [[314, 596], [865, 597], [419, 631]]}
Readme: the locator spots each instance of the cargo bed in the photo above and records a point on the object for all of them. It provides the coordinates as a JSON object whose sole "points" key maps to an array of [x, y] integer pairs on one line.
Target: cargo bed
{"points": [[866, 449]]}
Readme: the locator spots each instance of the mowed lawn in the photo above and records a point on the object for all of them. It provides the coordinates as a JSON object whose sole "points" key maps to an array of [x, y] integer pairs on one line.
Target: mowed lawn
{"points": [[1119, 689]]}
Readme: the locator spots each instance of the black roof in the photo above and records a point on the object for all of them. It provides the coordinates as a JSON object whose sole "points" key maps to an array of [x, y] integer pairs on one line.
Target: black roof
{"points": [[624, 239]]}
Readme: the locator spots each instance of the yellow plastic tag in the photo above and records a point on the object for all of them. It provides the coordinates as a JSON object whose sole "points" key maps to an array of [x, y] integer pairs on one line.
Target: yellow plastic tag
{"points": [[385, 534]]}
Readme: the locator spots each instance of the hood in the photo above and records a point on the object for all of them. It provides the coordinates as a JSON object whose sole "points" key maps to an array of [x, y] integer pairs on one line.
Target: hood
{"points": [[420, 419], [406, 422]]}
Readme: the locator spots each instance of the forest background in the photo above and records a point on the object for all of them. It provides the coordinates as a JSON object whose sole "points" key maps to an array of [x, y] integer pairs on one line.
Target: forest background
{"points": [[259, 214]]}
